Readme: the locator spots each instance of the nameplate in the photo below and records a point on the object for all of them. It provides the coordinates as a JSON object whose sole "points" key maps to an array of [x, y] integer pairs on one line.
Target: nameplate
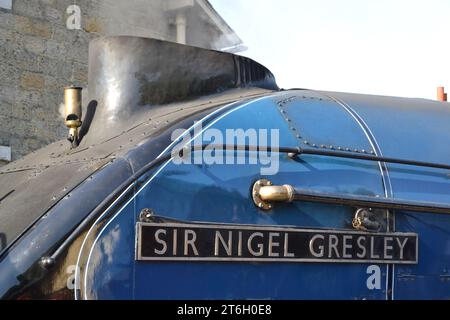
{"points": [[248, 243]]}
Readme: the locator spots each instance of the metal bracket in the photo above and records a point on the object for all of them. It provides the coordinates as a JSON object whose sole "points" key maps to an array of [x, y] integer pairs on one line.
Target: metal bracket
{"points": [[146, 215], [264, 193], [364, 220], [256, 194]]}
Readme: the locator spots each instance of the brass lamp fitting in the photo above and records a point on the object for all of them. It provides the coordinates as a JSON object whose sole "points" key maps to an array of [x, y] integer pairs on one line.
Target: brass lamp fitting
{"points": [[73, 113]]}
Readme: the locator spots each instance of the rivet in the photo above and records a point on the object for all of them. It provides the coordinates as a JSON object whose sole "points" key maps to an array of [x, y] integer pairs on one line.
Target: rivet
{"points": [[47, 262]]}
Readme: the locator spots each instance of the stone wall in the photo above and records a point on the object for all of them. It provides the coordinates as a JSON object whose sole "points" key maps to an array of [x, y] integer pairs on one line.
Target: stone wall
{"points": [[39, 56]]}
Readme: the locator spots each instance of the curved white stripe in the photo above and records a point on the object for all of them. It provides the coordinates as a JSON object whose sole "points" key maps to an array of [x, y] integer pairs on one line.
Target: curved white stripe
{"points": [[145, 185], [373, 143], [106, 226], [388, 192], [77, 275]]}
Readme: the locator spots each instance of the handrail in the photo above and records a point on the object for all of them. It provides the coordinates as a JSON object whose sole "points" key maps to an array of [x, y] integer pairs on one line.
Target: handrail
{"points": [[291, 151], [265, 194]]}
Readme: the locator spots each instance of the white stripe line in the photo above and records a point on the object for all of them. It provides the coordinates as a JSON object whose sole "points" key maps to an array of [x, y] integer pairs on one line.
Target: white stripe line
{"points": [[145, 185], [388, 192], [120, 196], [77, 275]]}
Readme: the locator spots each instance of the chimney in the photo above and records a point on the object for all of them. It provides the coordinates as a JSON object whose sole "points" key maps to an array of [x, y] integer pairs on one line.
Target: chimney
{"points": [[441, 95]]}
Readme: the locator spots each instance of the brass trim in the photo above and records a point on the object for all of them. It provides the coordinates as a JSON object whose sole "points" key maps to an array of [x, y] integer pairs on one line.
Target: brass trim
{"points": [[264, 193], [73, 112]]}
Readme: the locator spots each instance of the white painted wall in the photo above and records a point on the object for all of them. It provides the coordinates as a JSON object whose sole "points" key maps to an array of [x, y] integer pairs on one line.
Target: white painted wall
{"points": [[6, 4], [5, 152]]}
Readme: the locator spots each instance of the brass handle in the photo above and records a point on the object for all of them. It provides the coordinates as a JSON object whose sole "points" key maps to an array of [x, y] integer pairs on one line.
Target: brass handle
{"points": [[264, 193]]}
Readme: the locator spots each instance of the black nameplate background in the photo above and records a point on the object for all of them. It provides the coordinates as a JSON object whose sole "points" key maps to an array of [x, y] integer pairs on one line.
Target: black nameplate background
{"points": [[175, 242]]}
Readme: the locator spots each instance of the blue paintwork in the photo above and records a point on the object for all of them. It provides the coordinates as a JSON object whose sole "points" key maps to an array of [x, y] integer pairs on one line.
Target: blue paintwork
{"points": [[221, 193], [392, 127], [421, 133], [55, 219]]}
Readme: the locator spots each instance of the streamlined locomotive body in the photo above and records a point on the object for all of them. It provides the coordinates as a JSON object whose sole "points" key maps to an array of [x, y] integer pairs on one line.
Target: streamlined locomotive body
{"points": [[264, 194]]}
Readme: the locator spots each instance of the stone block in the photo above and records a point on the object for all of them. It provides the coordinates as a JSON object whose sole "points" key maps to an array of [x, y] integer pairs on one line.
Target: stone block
{"points": [[38, 28], [28, 8], [93, 24], [8, 74], [56, 49], [6, 125], [32, 81], [22, 113], [54, 15], [7, 37], [8, 93], [5, 107], [34, 45], [29, 97], [6, 20], [29, 62]]}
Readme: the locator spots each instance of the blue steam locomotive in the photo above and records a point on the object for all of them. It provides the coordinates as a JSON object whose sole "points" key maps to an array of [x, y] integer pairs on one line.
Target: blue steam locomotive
{"points": [[190, 175]]}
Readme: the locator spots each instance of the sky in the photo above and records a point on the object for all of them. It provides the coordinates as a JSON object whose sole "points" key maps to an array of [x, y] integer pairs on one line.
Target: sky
{"points": [[386, 47]]}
